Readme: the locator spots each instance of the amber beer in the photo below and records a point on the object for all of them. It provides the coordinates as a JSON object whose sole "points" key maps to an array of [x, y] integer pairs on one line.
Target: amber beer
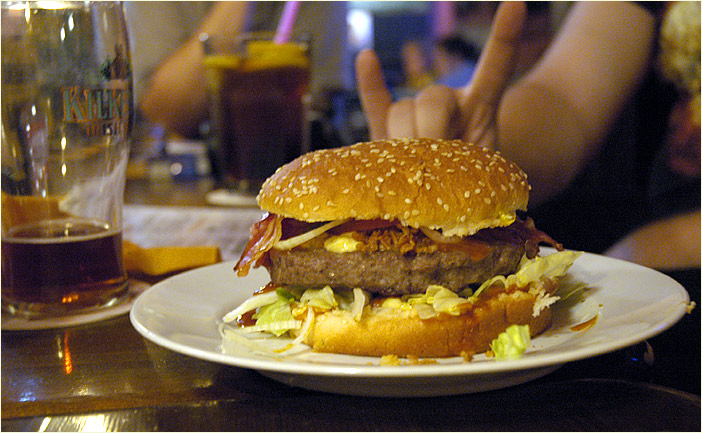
{"points": [[66, 116], [62, 265], [258, 108]]}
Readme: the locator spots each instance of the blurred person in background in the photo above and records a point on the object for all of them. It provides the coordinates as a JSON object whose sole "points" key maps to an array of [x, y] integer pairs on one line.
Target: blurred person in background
{"points": [[418, 73], [606, 124], [454, 56], [454, 61], [169, 76]]}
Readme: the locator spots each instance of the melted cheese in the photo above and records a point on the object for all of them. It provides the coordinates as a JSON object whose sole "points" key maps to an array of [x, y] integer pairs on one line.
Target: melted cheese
{"points": [[341, 244]]}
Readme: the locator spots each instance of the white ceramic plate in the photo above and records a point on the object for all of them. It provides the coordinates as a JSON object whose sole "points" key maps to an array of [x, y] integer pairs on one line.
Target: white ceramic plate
{"points": [[630, 303]]}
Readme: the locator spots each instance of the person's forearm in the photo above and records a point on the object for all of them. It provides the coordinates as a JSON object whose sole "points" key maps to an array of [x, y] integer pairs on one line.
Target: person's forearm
{"points": [[541, 132], [667, 244], [559, 114], [167, 101], [176, 96]]}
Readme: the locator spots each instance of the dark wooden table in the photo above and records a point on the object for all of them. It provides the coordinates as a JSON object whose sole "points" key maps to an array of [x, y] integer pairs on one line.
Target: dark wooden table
{"points": [[105, 376]]}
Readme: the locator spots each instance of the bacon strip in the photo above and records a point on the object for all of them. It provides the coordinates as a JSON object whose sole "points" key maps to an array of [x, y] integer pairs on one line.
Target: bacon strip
{"points": [[520, 231], [264, 234]]}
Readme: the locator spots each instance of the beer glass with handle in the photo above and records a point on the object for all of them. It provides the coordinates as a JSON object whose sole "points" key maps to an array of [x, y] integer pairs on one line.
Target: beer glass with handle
{"points": [[66, 115]]}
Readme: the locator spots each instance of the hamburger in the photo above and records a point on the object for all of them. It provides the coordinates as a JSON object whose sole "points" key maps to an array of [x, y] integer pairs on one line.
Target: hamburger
{"points": [[407, 247]]}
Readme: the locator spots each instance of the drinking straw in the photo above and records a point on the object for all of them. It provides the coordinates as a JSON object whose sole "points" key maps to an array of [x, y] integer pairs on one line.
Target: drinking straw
{"points": [[444, 18], [287, 20]]}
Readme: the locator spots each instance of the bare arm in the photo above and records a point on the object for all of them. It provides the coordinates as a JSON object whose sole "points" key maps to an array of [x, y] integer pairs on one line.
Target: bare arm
{"points": [[176, 95], [565, 106], [667, 244]]}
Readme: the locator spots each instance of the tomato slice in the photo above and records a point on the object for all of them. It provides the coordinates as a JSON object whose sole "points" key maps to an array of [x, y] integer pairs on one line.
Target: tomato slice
{"points": [[361, 226]]}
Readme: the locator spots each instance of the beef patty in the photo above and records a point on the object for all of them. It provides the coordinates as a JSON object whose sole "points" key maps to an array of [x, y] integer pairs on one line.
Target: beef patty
{"points": [[391, 273]]}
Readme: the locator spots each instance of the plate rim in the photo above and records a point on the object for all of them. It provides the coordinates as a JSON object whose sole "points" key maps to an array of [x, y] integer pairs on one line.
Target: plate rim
{"points": [[302, 367]]}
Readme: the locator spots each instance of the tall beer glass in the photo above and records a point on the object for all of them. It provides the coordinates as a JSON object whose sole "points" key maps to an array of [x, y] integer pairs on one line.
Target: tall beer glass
{"points": [[66, 115]]}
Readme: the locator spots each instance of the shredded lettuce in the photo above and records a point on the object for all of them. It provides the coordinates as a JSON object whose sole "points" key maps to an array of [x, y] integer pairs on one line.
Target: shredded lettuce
{"points": [[320, 298], [511, 343], [360, 299], [276, 318], [251, 304], [531, 270]]}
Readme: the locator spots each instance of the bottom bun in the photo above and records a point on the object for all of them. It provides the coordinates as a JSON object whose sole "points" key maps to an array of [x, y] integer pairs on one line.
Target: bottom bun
{"points": [[394, 331]]}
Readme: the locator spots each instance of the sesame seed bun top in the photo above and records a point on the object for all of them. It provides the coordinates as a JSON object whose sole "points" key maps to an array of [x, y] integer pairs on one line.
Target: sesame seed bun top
{"points": [[452, 186]]}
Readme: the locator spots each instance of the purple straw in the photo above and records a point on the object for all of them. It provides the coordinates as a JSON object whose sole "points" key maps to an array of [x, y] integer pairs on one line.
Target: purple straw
{"points": [[287, 21]]}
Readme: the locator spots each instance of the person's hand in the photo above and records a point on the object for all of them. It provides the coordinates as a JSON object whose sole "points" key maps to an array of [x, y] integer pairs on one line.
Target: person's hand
{"points": [[438, 111]]}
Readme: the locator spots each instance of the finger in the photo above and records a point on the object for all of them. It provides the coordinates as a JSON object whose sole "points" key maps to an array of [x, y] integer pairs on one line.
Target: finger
{"points": [[496, 63], [401, 119], [375, 97], [436, 113]]}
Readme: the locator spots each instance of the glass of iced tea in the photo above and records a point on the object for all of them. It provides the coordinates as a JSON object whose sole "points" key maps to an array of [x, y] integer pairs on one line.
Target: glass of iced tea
{"points": [[66, 116], [258, 106]]}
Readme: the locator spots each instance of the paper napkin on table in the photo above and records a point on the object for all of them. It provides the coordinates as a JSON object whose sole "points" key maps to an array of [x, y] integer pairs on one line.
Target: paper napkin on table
{"points": [[163, 260]]}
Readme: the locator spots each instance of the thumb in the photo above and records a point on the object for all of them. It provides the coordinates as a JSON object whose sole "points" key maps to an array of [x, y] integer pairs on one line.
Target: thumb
{"points": [[375, 97]]}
